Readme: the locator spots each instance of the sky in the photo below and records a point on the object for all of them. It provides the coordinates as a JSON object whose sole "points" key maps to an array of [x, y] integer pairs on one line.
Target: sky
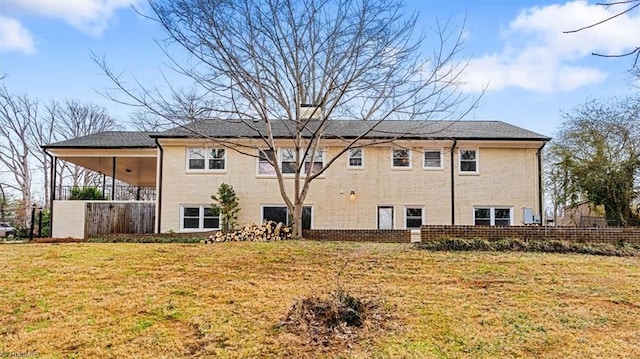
{"points": [[516, 49]]}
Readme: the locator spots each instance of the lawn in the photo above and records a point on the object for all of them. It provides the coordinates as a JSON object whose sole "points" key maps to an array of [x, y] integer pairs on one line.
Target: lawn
{"points": [[226, 300]]}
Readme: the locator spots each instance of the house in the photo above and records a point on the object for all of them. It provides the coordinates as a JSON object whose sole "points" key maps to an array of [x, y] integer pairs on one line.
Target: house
{"points": [[404, 174]]}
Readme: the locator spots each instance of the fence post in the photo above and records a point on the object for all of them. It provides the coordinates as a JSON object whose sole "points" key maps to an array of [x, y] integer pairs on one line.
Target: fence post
{"points": [[40, 224], [33, 217]]}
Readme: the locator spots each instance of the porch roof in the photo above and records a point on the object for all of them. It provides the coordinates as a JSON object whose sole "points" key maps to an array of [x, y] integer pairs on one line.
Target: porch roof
{"points": [[108, 139], [134, 155]]}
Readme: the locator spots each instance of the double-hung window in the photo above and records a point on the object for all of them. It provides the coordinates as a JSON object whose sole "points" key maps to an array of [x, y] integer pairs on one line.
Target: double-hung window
{"points": [[314, 163], [213, 159], [355, 158], [401, 158], [468, 161], [286, 158], [265, 160], [432, 159], [493, 216], [198, 217]]}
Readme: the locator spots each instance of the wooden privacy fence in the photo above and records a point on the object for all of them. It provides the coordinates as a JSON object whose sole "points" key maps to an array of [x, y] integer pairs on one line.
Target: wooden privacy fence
{"points": [[119, 217]]}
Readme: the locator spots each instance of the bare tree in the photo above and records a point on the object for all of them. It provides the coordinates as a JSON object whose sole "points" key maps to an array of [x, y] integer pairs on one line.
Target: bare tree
{"points": [[17, 114], [42, 132], [73, 119], [625, 6], [254, 61]]}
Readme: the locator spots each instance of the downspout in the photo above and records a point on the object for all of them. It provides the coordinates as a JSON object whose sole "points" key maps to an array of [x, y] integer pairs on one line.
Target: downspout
{"points": [[52, 187], [159, 188], [540, 203], [453, 187]]}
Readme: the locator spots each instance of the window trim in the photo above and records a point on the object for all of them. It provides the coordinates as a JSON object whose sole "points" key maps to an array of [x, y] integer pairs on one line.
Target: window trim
{"points": [[423, 217], [207, 158], [262, 206], [279, 152], [424, 162], [410, 155], [349, 166], [492, 214], [477, 160], [201, 217]]}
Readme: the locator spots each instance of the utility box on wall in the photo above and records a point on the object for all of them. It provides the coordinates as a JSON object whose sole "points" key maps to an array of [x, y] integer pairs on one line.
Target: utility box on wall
{"points": [[528, 217]]}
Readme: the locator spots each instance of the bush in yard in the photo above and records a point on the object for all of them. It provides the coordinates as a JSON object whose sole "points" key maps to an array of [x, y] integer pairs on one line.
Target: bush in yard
{"points": [[86, 193], [226, 205]]}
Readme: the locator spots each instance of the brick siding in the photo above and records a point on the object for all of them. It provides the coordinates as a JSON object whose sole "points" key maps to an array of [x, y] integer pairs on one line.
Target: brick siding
{"points": [[578, 234], [359, 235]]}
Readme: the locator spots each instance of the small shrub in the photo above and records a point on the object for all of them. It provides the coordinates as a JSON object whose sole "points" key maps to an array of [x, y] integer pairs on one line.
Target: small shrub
{"points": [[86, 193], [226, 206]]}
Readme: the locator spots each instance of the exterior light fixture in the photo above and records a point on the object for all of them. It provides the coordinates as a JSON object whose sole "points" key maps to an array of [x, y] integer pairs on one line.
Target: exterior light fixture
{"points": [[352, 195]]}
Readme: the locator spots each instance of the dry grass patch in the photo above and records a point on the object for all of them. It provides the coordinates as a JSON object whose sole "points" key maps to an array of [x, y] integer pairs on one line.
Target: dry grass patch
{"points": [[226, 301]]}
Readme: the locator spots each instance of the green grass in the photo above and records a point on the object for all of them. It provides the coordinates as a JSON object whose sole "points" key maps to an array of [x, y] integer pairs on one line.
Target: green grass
{"points": [[226, 300]]}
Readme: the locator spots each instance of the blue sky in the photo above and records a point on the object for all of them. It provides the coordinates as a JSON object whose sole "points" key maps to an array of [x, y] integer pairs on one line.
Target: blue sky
{"points": [[517, 48]]}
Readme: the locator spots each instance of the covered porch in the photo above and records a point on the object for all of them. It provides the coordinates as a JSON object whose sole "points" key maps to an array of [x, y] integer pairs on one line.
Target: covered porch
{"points": [[120, 196]]}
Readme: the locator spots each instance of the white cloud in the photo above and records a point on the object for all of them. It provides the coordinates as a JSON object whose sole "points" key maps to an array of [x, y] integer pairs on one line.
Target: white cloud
{"points": [[538, 56], [89, 16], [15, 37]]}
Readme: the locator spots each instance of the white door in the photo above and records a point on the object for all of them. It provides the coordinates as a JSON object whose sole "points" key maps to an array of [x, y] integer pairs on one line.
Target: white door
{"points": [[385, 217]]}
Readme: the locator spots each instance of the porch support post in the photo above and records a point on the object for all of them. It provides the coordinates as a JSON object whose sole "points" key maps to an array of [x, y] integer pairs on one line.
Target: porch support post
{"points": [[113, 180], [104, 183], [52, 189]]}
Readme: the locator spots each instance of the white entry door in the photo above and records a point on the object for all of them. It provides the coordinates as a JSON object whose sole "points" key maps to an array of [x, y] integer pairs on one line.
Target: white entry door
{"points": [[385, 217]]}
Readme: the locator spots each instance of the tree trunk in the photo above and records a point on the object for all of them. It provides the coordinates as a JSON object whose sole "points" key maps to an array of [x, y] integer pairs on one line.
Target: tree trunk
{"points": [[297, 221]]}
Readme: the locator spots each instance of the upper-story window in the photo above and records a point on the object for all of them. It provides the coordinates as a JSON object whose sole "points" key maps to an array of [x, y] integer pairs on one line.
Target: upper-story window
{"points": [[313, 164], [469, 161], [401, 158], [356, 158], [206, 159], [265, 158], [432, 159], [286, 158]]}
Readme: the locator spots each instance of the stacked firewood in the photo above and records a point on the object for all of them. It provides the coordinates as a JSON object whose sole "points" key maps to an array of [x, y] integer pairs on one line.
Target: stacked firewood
{"points": [[268, 231]]}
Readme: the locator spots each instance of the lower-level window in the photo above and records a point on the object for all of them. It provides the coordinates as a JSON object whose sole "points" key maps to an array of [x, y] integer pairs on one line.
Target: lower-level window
{"points": [[281, 214], [198, 217], [413, 217], [493, 216]]}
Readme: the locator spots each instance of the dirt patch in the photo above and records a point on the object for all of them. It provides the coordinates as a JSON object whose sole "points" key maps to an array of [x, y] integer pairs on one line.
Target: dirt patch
{"points": [[57, 240], [338, 318]]}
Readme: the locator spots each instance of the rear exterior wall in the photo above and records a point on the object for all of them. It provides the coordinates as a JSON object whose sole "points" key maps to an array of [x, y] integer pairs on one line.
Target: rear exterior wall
{"points": [[507, 177]]}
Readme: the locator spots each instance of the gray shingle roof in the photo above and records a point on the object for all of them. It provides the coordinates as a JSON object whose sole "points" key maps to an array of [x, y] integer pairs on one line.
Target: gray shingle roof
{"points": [[109, 139], [470, 130], [493, 130]]}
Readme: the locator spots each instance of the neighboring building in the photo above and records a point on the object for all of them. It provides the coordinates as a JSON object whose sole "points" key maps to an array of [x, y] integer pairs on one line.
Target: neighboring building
{"points": [[438, 172], [583, 214]]}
